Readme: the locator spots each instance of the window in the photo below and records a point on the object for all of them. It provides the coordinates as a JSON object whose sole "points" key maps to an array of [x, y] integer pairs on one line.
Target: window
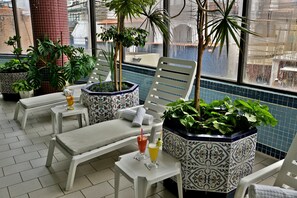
{"points": [[272, 58], [79, 25], [152, 51], [184, 42], [7, 26], [24, 24]]}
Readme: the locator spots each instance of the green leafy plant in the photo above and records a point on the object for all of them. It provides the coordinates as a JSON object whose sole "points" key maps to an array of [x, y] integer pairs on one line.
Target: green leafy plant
{"points": [[46, 63], [21, 85], [126, 37], [219, 116], [17, 64]]}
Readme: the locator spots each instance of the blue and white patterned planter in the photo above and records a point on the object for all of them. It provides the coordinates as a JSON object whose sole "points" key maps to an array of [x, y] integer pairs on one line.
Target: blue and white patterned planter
{"points": [[212, 163], [103, 106]]}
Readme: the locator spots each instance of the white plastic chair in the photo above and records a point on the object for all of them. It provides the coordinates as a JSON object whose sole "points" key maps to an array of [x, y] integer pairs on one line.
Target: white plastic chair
{"points": [[173, 80], [286, 169], [45, 102]]}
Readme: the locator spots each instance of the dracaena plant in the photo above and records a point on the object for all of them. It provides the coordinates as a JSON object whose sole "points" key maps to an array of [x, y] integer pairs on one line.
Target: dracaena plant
{"points": [[122, 36], [219, 116]]}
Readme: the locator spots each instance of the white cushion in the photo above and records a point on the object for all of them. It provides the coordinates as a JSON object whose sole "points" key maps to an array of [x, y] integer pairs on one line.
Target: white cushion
{"points": [[42, 100], [129, 115], [91, 137], [264, 191], [138, 118]]}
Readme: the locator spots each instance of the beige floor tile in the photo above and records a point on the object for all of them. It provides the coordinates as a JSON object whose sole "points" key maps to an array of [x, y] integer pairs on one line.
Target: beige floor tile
{"points": [[124, 183], [84, 169], [4, 193], [28, 136], [6, 130], [59, 166], [155, 189], [8, 170], [101, 176], [78, 184], [7, 161], [20, 144], [11, 153], [26, 157], [10, 180], [13, 134], [9, 140], [1, 172], [74, 195], [268, 181], [41, 139], [4, 147], [125, 193], [24, 187], [154, 196], [99, 190], [34, 147], [103, 163], [34, 173], [258, 167], [23, 196], [48, 192], [268, 161], [52, 179], [40, 162], [166, 194]]}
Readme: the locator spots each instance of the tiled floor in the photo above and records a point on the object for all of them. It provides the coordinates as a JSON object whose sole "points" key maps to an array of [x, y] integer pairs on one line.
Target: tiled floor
{"points": [[22, 163]]}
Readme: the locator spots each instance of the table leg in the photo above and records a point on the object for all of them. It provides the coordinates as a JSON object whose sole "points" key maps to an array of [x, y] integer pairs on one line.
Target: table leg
{"points": [[59, 122], [116, 183], [179, 185], [140, 187], [79, 118], [53, 116]]}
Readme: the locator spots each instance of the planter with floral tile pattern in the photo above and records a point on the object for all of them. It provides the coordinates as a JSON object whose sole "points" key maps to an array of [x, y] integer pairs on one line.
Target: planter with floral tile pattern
{"points": [[211, 164], [103, 106]]}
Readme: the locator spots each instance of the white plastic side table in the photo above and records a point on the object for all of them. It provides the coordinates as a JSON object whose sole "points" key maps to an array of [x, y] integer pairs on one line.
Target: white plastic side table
{"points": [[58, 112], [137, 172]]}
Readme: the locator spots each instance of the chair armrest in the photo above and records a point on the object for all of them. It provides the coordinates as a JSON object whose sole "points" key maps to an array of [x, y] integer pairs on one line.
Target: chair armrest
{"points": [[255, 177]]}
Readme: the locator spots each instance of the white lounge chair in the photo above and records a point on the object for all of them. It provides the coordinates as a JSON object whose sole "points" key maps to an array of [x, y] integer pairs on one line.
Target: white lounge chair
{"points": [[287, 172], [173, 80], [101, 72]]}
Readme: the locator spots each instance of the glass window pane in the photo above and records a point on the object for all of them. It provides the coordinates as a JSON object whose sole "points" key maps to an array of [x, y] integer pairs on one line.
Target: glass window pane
{"points": [[184, 42], [79, 24], [153, 49], [7, 27], [272, 58], [25, 25]]}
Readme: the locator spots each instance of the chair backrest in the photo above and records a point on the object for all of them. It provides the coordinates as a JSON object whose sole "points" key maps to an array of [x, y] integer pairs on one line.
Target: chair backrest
{"points": [[287, 176], [101, 71], [173, 80]]}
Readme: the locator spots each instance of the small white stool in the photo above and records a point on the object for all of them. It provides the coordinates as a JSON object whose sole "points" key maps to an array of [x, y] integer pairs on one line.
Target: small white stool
{"points": [[58, 112], [136, 172]]}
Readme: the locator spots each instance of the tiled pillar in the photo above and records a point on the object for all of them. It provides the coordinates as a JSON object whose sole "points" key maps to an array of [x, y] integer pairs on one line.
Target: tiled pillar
{"points": [[49, 18]]}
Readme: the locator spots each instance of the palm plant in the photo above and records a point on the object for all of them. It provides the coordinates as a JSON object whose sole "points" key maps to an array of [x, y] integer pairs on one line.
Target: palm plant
{"points": [[155, 18], [219, 30]]}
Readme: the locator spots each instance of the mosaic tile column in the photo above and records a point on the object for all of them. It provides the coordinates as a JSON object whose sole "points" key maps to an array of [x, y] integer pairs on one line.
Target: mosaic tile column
{"points": [[49, 18]]}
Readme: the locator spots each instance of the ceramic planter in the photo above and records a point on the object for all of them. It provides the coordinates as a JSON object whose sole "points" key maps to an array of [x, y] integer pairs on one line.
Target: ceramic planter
{"points": [[6, 81], [103, 106], [26, 94], [212, 164]]}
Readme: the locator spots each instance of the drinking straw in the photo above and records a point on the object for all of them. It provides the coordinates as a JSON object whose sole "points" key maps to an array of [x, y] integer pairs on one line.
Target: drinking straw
{"points": [[141, 133]]}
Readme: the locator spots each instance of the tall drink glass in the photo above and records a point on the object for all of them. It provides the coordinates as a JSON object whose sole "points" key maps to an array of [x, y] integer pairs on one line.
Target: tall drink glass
{"points": [[141, 141], [154, 151]]}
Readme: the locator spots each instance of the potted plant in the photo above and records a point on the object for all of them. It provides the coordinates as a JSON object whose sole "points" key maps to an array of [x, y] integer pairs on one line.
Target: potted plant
{"points": [[103, 104], [53, 64], [13, 70], [23, 88], [215, 142]]}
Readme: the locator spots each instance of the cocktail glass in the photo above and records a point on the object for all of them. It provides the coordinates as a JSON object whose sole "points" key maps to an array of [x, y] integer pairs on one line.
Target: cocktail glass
{"points": [[70, 102], [141, 141], [154, 151]]}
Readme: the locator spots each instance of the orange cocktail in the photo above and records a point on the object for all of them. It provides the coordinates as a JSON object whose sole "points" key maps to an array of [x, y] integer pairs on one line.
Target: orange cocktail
{"points": [[153, 150], [70, 102]]}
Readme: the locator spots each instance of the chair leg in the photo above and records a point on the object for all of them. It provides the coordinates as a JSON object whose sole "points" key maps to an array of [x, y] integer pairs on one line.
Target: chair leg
{"points": [[16, 111], [71, 174], [50, 153], [24, 120]]}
